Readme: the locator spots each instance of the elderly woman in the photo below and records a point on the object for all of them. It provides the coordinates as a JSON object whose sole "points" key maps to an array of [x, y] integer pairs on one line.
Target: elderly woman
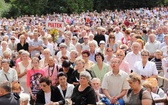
{"points": [[124, 64], [145, 68], [137, 95], [83, 94], [44, 61], [51, 71], [22, 68], [4, 47], [100, 68], [85, 57], [79, 68]]}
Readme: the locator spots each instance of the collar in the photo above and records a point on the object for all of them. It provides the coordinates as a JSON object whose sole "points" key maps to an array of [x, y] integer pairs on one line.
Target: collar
{"points": [[119, 74]]}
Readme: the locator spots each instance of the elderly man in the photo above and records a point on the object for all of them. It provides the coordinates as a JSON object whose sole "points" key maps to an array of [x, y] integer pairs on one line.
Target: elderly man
{"points": [[7, 73], [114, 83], [134, 55], [6, 97], [96, 85], [152, 45]]}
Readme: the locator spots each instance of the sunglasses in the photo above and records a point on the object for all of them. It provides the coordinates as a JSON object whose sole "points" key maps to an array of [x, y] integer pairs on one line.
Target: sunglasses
{"points": [[144, 55], [12, 39], [111, 37]]}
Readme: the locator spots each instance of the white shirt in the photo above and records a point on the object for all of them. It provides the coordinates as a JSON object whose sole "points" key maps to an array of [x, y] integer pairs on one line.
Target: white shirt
{"points": [[47, 97], [118, 36], [165, 67], [152, 47], [131, 58], [165, 50], [149, 69]]}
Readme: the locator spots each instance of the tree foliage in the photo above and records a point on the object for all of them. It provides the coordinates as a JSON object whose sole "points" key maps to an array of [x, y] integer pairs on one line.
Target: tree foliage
{"points": [[39, 7]]}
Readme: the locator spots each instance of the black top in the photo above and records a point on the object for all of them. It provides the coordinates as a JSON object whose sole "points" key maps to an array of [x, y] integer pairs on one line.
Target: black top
{"points": [[99, 37], [69, 73], [75, 76], [24, 47], [10, 99], [55, 96], [85, 97]]}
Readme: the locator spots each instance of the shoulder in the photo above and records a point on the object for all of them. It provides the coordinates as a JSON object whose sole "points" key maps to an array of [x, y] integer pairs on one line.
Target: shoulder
{"points": [[146, 95]]}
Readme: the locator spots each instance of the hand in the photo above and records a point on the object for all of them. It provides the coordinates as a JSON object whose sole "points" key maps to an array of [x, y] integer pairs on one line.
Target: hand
{"points": [[113, 100], [33, 96]]}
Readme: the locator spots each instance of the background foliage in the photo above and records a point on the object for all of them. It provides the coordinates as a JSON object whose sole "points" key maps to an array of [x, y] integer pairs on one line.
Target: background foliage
{"points": [[15, 8]]}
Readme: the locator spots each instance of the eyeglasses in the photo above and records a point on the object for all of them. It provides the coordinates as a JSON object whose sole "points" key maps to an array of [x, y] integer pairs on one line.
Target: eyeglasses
{"points": [[114, 62], [109, 50], [144, 55], [111, 37], [119, 55], [73, 39], [12, 39]]}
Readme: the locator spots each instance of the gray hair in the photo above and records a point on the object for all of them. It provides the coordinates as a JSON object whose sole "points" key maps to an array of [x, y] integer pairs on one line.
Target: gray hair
{"points": [[24, 97], [86, 74], [6, 86], [5, 61], [25, 53]]}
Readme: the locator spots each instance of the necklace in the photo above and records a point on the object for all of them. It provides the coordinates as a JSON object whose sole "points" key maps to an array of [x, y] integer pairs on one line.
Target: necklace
{"points": [[50, 72]]}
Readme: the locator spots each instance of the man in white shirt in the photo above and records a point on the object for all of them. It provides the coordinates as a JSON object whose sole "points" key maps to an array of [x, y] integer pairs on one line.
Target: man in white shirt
{"points": [[114, 83], [7, 73], [134, 55], [152, 45], [118, 34]]}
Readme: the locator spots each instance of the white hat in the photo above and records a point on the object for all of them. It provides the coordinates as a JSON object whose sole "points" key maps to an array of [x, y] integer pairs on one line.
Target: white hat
{"points": [[102, 42]]}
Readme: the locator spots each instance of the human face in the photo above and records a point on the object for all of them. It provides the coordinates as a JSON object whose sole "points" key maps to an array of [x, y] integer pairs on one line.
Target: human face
{"points": [[92, 47], [83, 80], [85, 57], [158, 55], [51, 61], [136, 47], [109, 51], [79, 65], [95, 84], [98, 58], [46, 54], [145, 56], [133, 85], [115, 63], [120, 56], [44, 86], [25, 57], [5, 65], [35, 63], [62, 80]]}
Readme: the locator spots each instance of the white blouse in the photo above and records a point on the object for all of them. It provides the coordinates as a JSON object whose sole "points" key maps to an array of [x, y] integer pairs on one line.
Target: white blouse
{"points": [[149, 69]]}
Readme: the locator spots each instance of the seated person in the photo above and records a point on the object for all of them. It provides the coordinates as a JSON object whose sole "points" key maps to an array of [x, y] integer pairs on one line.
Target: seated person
{"points": [[155, 88], [96, 83], [65, 88], [48, 94]]}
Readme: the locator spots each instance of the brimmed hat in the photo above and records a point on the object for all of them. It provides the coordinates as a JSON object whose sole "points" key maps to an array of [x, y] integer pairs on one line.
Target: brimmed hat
{"points": [[102, 42]]}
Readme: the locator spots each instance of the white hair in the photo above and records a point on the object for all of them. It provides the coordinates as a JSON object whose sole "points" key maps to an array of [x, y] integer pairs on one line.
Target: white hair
{"points": [[24, 97]]}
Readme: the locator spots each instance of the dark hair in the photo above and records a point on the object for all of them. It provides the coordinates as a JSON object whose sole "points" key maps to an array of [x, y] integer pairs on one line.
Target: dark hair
{"points": [[60, 74], [86, 52], [99, 54], [46, 80], [66, 63], [6, 86]]}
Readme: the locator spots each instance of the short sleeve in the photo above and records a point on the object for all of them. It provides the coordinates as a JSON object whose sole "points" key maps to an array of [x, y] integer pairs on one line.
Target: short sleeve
{"points": [[146, 95], [15, 76], [105, 82]]}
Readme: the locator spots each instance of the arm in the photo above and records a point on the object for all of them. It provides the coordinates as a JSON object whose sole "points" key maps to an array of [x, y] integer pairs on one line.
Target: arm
{"points": [[123, 92], [20, 75], [146, 102]]}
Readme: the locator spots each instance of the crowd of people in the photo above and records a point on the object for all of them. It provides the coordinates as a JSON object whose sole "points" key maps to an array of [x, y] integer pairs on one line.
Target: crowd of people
{"points": [[114, 57]]}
